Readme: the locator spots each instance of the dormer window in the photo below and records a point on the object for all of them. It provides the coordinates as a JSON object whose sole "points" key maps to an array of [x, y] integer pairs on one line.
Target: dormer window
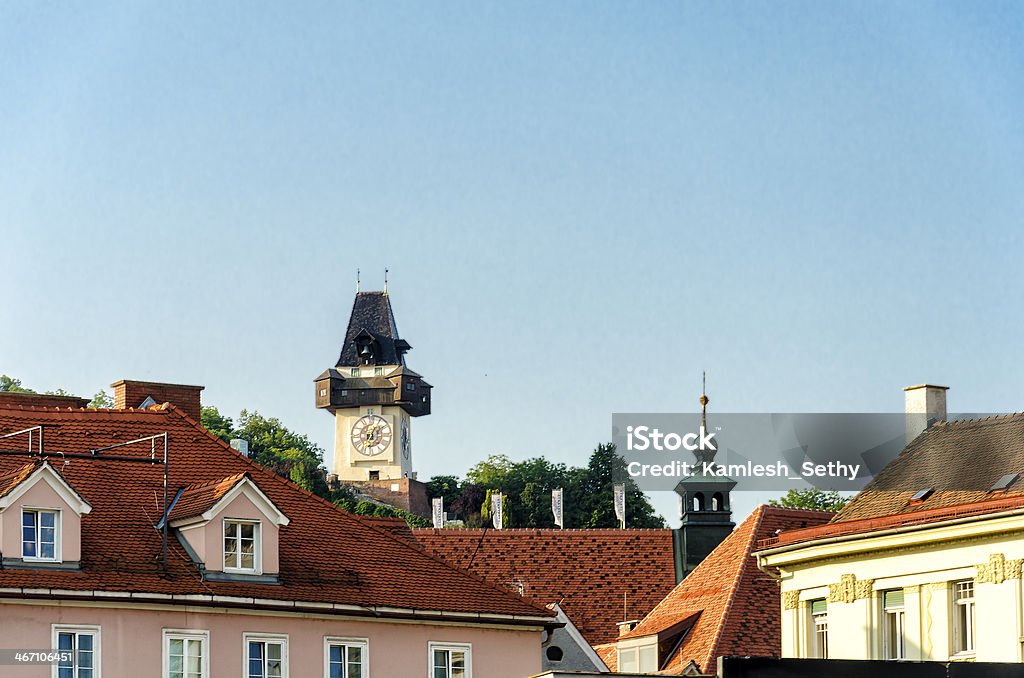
{"points": [[40, 537], [241, 546], [42, 515]]}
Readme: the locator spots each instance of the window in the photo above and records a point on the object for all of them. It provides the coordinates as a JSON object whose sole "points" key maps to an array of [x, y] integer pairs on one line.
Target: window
{"points": [[266, 656], [39, 529], [963, 616], [641, 659], [82, 645], [241, 546], [409, 386], [323, 392], [378, 371], [354, 372], [892, 625], [185, 654], [819, 629], [346, 658], [450, 661]]}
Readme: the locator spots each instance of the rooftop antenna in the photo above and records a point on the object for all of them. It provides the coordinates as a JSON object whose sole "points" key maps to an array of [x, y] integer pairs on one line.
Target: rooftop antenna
{"points": [[385, 281], [357, 281]]}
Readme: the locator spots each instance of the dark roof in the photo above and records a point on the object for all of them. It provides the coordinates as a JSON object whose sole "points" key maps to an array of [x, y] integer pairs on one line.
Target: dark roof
{"points": [[959, 460], [591, 574], [371, 313], [726, 606], [326, 555]]}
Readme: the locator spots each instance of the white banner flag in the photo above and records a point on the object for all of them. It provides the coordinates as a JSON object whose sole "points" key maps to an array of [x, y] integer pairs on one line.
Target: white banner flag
{"points": [[556, 507], [620, 504], [439, 512], [497, 512]]}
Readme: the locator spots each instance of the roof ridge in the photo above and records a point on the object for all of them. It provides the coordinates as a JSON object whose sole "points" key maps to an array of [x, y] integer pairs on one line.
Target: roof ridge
{"points": [[992, 418]]}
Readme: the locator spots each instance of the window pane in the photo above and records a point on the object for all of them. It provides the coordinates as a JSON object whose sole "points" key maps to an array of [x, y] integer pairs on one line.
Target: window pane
{"points": [[273, 650], [65, 641], [458, 659], [65, 672], [85, 673], [230, 530], [355, 662], [28, 519], [47, 551], [47, 519], [85, 659], [248, 559], [85, 641], [247, 530], [176, 664], [28, 549]]}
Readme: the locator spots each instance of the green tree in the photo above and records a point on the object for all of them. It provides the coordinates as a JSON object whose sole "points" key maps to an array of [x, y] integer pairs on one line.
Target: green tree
{"points": [[289, 454], [101, 401], [216, 423], [12, 385], [446, 487], [590, 497], [812, 498]]}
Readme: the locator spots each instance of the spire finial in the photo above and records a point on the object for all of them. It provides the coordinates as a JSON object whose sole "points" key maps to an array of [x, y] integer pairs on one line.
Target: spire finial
{"points": [[704, 400], [385, 281], [357, 281]]}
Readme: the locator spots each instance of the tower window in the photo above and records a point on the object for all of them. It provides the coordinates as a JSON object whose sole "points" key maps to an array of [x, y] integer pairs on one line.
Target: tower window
{"points": [[354, 372], [698, 501], [410, 386], [717, 502], [378, 371]]}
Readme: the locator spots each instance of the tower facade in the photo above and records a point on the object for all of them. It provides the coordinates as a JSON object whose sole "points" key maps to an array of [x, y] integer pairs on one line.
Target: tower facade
{"points": [[705, 510], [373, 395]]}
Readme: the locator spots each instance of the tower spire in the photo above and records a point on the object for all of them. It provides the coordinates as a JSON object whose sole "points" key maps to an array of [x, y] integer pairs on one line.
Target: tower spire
{"points": [[385, 281], [704, 400], [357, 281]]}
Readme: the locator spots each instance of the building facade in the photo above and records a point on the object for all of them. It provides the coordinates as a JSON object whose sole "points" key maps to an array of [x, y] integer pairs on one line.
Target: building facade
{"points": [[924, 563], [138, 544]]}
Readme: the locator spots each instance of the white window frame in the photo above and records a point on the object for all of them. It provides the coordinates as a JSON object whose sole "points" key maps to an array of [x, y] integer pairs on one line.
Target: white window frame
{"points": [[362, 643], [970, 613], [201, 635], [898, 617], [465, 648], [257, 546], [78, 629], [817, 623], [38, 510], [252, 637]]}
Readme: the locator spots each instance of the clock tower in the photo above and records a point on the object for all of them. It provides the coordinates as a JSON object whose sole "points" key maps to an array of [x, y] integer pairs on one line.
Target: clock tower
{"points": [[373, 395]]}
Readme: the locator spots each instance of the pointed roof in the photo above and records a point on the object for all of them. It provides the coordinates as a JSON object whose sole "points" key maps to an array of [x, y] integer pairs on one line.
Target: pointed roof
{"points": [[15, 482], [726, 606], [372, 315]]}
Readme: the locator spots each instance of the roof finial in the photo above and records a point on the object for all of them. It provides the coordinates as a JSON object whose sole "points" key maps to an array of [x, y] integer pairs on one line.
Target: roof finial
{"points": [[357, 281], [704, 400], [385, 281]]}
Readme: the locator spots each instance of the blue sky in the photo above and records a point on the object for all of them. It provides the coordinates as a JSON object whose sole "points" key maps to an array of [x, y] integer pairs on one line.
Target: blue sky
{"points": [[582, 205]]}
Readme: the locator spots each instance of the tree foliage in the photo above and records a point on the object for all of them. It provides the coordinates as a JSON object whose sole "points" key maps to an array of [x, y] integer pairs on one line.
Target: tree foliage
{"points": [[812, 498], [12, 385], [527, 487], [102, 401]]}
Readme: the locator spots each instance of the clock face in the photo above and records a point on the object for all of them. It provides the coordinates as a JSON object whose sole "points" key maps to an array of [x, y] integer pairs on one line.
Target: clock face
{"points": [[405, 438], [371, 435]]}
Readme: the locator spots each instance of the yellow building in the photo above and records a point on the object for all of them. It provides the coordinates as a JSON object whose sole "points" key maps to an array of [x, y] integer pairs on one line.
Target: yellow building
{"points": [[924, 563]]}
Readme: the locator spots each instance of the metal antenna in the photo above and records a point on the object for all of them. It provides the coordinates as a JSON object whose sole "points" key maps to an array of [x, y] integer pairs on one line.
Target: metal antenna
{"points": [[385, 281], [357, 281]]}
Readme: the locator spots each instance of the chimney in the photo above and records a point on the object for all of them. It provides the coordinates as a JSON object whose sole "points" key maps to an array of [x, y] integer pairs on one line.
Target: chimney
{"points": [[241, 445], [137, 394], [925, 404]]}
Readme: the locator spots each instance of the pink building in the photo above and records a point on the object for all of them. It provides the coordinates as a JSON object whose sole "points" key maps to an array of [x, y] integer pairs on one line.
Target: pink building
{"points": [[246, 575]]}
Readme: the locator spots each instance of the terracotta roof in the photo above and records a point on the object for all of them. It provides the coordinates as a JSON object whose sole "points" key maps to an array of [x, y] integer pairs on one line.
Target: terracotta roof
{"points": [[326, 555], [609, 654], [735, 605], [16, 476], [587, 572], [200, 497]]}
